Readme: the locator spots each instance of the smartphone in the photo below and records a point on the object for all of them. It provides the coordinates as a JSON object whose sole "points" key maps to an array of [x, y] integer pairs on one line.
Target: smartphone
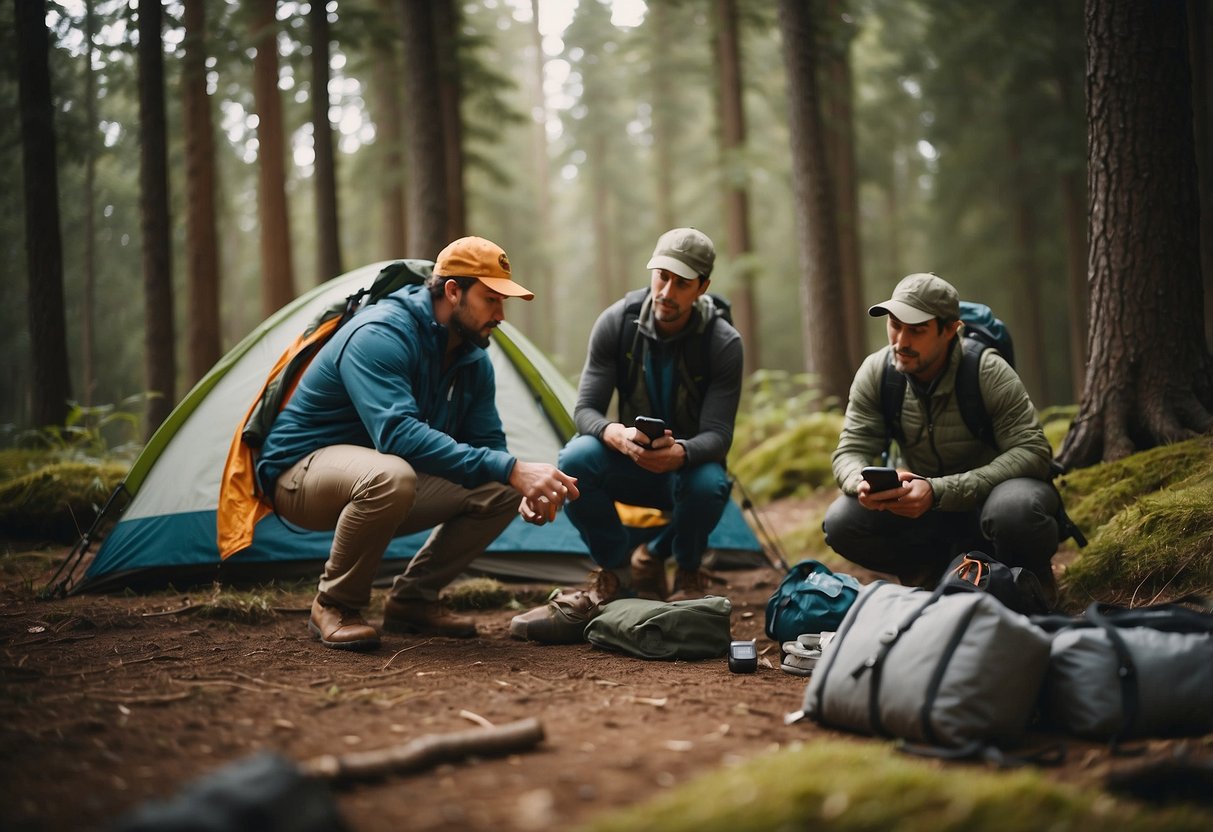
{"points": [[881, 479], [650, 427], [743, 657]]}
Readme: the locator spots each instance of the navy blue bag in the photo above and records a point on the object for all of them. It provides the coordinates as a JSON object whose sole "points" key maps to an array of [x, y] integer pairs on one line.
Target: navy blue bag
{"points": [[810, 599]]}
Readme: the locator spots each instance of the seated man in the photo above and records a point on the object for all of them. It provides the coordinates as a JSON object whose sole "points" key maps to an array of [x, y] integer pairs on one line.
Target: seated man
{"points": [[669, 354], [394, 429], [957, 493]]}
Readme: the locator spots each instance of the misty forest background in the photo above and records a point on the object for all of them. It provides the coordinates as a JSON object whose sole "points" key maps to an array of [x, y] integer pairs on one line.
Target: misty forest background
{"points": [[216, 159]]}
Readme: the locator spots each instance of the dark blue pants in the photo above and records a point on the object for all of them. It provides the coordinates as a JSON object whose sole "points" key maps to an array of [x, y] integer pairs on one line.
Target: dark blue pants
{"points": [[694, 495]]}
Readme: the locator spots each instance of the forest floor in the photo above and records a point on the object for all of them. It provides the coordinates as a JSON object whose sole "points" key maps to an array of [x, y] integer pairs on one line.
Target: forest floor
{"points": [[110, 701]]}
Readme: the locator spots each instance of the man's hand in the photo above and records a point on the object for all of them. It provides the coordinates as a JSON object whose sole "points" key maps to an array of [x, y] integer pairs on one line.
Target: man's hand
{"points": [[657, 456], [544, 489], [914, 498]]}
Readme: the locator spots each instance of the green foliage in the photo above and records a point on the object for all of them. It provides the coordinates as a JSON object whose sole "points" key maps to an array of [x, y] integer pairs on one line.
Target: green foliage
{"points": [[864, 786], [783, 440], [57, 501], [244, 607]]}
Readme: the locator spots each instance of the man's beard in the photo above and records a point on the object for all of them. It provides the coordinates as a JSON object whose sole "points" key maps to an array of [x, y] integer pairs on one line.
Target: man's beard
{"points": [[464, 331]]}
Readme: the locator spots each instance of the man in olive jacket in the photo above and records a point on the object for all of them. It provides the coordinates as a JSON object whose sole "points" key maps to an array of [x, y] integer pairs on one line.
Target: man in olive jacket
{"points": [[957, 493]]}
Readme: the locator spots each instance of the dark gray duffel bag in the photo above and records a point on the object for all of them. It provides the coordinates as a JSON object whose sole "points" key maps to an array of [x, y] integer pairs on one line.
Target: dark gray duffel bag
{"points": [[957, 671], [1118, 674]]}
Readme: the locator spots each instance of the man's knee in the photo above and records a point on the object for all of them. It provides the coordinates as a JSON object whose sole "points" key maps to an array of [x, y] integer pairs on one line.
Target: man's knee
{"points": [[1020, 517], [582, 456], [706, 484]]}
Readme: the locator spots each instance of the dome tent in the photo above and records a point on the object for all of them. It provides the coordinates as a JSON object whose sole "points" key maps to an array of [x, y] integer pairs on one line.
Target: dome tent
{"points": [[166, 531]]}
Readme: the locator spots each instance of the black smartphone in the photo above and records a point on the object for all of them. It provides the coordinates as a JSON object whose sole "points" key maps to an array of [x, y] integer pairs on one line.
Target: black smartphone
{"points": [[881, 479], [743, 657], [650, 427]]}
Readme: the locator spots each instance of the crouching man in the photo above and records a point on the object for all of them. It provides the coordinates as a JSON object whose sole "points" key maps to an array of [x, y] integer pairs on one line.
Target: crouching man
{"points": [[394, 429]]}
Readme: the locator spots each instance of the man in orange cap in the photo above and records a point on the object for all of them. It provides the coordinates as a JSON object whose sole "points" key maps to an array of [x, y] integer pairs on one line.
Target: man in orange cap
{"points": [[394, 429]]}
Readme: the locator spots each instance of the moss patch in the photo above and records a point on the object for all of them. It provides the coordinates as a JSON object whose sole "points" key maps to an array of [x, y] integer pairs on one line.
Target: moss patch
{"points": [[794, 461], [863, 786], [56, 501]]}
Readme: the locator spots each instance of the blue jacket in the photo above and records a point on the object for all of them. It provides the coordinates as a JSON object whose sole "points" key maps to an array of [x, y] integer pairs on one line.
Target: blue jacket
{"points": [[379, 383]]}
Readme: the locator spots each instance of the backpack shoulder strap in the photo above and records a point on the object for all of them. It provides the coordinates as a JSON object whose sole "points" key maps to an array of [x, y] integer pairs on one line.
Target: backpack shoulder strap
{"points": [[631, 346], [892, 397], [968, 391]]}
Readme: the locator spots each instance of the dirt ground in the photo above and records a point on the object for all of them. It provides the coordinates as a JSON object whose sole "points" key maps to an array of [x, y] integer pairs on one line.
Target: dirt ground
{"points": [[110, 701]]}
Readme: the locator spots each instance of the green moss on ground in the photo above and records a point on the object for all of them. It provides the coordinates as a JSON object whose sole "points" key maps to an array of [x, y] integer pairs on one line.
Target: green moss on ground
{"points": [[489, 594], [57, 501], [865, 786], [795, 461]]}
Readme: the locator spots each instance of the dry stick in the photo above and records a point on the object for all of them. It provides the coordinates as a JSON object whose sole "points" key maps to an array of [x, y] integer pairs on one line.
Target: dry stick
{"points": [[427, 751]]}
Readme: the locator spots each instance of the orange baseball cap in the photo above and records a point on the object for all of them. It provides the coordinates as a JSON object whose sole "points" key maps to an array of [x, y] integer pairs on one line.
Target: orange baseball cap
{"points": [[484, 260]]}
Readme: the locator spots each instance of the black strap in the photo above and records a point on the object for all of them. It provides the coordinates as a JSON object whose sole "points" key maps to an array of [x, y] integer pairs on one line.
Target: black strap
{"points": [[1126, 673]]}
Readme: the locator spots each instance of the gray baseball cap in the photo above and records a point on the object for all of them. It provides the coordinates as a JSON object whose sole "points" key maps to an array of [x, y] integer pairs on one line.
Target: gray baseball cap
{"points": [[920, 297], [687, 252]]}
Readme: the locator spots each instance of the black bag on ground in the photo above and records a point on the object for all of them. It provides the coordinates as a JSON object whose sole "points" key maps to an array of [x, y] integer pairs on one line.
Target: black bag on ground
{"points": [[958, 671], [1017, 588], [1118, 674]]}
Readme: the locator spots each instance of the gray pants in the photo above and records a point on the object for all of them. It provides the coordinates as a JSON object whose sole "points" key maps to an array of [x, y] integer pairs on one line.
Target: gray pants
{"points": [[1017, 524], [368, 498]]}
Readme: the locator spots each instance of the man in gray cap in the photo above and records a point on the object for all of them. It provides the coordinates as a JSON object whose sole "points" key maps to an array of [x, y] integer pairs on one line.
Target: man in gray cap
{"points": [[956, 492], [670, 354]]}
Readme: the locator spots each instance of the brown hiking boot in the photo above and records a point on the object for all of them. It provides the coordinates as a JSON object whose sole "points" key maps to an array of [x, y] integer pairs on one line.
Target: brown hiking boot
{"points": [[428, 618], [341, 627], [605, 586], [561, 620], [689, 584], [648, 575]]}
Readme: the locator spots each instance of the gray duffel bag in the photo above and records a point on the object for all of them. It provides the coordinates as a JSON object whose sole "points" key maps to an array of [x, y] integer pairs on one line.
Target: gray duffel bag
{"points": [[955, 671], [1118, 674]]}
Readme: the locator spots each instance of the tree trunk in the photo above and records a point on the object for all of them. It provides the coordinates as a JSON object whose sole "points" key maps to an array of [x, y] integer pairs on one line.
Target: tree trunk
{"points": [[328, 227], [201, 234], [50, 381], [88, 307], [821, 292], [1029, 335], [738, 243], [841, 146], [1074, 215], [543, 308], [1148, 380], [277, 271], [159, 336], [425, 143], [389, 120], [450, 95], [664, 92], [1200, 45], [601, 221]]}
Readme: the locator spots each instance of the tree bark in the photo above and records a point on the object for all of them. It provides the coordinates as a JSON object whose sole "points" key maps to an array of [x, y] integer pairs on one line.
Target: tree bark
{"points": [[389, 120], [1148, 380], [50, 382], [1200, 45], [663, 129], [738, 242], [277, 270], [450, 95], [841, 146], [159, 334], [328, 226], [425, 141], [1029, 336], [543, 308], [201, 233], [88, 307], [821, 292]]}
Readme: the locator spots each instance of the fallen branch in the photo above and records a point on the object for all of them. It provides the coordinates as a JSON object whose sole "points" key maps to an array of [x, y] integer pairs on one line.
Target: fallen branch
{"points": [[427, 751]]}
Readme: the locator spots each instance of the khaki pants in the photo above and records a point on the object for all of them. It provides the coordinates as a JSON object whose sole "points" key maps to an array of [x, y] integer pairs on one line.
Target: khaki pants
{"points": [[368, 498]]}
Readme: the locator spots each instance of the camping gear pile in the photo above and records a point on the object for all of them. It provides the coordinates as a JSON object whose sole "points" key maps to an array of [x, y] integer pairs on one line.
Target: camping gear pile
{"points": [[955, 672]]}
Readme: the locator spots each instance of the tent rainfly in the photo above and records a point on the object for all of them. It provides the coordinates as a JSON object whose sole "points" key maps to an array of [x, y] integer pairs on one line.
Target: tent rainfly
{"points": [[166, 531]]}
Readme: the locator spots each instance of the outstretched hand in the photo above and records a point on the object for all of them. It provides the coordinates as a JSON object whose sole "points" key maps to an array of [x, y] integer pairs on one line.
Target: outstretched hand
{"points": [[544, 489]]}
